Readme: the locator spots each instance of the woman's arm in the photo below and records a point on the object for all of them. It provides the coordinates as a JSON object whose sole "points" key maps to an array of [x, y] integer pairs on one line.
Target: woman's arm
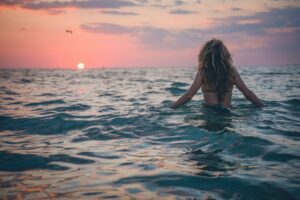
{"points": [[190, 93], [245, 90]]}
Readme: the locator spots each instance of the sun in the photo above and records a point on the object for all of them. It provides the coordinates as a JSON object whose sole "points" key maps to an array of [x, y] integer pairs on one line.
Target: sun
{"points": [[80, 66]]}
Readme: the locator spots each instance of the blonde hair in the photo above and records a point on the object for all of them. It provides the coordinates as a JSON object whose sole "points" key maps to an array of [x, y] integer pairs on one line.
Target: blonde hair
{"points": [[215, 63]]}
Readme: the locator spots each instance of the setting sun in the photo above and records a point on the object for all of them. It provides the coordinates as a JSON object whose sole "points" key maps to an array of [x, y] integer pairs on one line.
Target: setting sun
{"points": [[80, 66]]}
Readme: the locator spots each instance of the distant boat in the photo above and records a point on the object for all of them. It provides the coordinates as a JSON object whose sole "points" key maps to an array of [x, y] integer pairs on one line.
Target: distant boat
{"points": [[69, 31]]}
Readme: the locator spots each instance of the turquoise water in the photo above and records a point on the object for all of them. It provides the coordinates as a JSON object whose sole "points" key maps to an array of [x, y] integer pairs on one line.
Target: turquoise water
{"points": [[97, 134]]}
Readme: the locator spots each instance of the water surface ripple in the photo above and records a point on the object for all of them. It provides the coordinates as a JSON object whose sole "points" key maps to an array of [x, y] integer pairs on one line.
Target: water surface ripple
{"points": [[111, 134]]}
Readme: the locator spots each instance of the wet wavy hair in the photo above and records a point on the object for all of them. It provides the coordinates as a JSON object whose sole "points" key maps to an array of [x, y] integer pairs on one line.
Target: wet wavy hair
{"points": [[215, 63]]}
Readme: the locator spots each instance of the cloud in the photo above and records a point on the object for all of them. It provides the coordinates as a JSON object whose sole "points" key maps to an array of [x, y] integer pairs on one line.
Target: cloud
{"points": [[13, 2], [55, 12], [179, 2], [278, 29], [236, 9], [10, 2], [143, 1], [114, 12], [88, 4], [181, 12], [85, 4], [147, 35], [107, 28], [268, 25], [257, 23]]}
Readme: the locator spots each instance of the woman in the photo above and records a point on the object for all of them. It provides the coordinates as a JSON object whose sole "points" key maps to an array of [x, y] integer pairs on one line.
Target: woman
{"points": [[216, 77]]}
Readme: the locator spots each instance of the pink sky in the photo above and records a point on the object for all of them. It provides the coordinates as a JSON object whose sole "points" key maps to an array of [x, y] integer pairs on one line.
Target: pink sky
{"points": [[145, 33]]}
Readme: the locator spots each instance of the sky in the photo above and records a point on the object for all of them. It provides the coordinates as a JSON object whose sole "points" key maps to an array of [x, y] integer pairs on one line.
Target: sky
{"points": [[145, 33]]}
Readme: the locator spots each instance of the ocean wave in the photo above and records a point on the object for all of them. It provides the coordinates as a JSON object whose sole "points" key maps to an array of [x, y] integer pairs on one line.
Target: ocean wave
{"points": [[280, 157], [8, 99], [22, 162], [10, 92], [43, 103], [175, 91], [293, 102], [250, 147], [24, 81], [103, 155], [179, 84], [211, 162], [113, 134], [203, 186], [277, 73], [47, 94], [74, 107], [54, 124]]}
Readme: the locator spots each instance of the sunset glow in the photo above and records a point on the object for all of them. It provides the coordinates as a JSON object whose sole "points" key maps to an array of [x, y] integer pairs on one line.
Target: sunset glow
{"points": [[135, 33]]}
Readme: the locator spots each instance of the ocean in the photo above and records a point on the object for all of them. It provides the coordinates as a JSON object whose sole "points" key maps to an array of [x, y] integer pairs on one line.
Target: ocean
{"points": [[110, 134]]}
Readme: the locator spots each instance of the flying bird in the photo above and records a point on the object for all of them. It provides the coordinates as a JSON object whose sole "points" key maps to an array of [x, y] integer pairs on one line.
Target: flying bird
{"points": [[69, 31]]}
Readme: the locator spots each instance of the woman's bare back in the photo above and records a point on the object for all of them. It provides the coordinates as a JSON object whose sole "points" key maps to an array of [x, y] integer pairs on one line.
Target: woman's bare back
{"points": [[211, 96]]}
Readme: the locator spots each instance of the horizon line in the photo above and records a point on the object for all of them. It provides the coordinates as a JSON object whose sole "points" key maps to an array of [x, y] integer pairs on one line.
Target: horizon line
{"points": [[140, 67]]}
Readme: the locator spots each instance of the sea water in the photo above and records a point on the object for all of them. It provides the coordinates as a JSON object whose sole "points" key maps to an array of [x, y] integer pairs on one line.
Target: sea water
{"points": [[109, 133]]}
